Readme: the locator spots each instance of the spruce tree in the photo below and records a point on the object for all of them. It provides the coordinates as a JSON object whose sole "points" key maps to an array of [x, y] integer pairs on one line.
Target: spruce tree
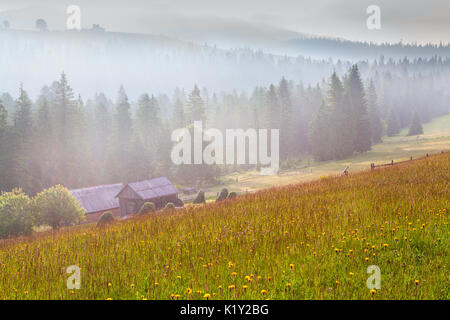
{"points": [[3, 118], [195, 107], [148, 125], [101, 136], [286, 129], [23, 129], [122, 134], [178, 117], [23, 119], [65, 125], [340, 120], [43, 146], [123, 122], [355, 96], [320, 135], [272, 109], [376, 126], [6, 155], [416, 125], [9, 104]]}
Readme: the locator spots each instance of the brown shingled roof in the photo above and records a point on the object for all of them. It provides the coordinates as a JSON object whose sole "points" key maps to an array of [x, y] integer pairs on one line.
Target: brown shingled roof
{"points": [[154, 188], [98, 198]]}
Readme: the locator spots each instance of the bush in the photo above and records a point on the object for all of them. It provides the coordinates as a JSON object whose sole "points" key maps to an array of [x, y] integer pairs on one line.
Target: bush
{"points": [[56, 206], [232, 195], [178, 202], [200, 197], [169, 206], [16, 217], [106, 218], [223, 195], [147, 208]]}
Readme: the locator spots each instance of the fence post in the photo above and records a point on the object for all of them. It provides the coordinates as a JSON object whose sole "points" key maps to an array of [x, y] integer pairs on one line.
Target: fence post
{"points": [[411, 158], [427, 155], [392, 162], [372, 166]]}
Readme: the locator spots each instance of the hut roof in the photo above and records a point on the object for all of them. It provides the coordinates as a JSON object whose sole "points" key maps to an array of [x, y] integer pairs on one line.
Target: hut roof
{"points": [[98, 198], [154, 188]]}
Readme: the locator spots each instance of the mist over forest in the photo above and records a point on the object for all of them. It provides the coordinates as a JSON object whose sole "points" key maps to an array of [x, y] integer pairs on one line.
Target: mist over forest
{"points": [[101, 61], [96, 107]]}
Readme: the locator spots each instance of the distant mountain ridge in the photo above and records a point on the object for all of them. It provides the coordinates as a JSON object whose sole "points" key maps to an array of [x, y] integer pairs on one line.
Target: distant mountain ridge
{"points": [[97, 60]]}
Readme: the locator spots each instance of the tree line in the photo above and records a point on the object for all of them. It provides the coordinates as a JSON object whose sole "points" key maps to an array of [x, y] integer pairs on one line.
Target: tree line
{"points": [[60, 139]]}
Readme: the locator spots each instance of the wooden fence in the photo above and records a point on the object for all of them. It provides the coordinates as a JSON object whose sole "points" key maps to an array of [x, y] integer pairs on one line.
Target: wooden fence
{"points": [[373, 165]]}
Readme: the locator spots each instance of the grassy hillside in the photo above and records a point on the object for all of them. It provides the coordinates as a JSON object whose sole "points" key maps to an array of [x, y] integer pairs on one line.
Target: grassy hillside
{"points": [[307, 241]]}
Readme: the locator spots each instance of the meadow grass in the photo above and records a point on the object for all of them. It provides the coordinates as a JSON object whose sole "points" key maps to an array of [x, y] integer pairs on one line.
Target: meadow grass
{"points": [[307, 241]]}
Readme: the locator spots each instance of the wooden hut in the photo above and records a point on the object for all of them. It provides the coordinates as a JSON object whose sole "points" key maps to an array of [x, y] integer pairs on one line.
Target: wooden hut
{"points": [[160, 191], [97, 200]]}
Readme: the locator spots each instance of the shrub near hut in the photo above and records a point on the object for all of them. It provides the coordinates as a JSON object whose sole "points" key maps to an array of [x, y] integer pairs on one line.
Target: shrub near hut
{"points": [[169, 206], [232, 195], [16, 216], [223, 195], [56, 207], [200, 197], [105, 219], [147, 208]]}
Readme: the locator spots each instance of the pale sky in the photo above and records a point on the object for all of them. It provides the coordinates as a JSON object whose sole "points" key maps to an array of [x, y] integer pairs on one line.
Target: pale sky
{"points": [[408, 20]]}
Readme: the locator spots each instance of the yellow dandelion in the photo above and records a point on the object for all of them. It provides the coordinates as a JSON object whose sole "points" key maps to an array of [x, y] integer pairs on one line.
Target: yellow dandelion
{"points": [[207, 296]]}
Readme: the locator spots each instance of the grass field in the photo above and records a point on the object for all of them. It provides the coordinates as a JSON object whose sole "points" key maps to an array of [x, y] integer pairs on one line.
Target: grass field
{"points": [[307, 241], [435, 139]]}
